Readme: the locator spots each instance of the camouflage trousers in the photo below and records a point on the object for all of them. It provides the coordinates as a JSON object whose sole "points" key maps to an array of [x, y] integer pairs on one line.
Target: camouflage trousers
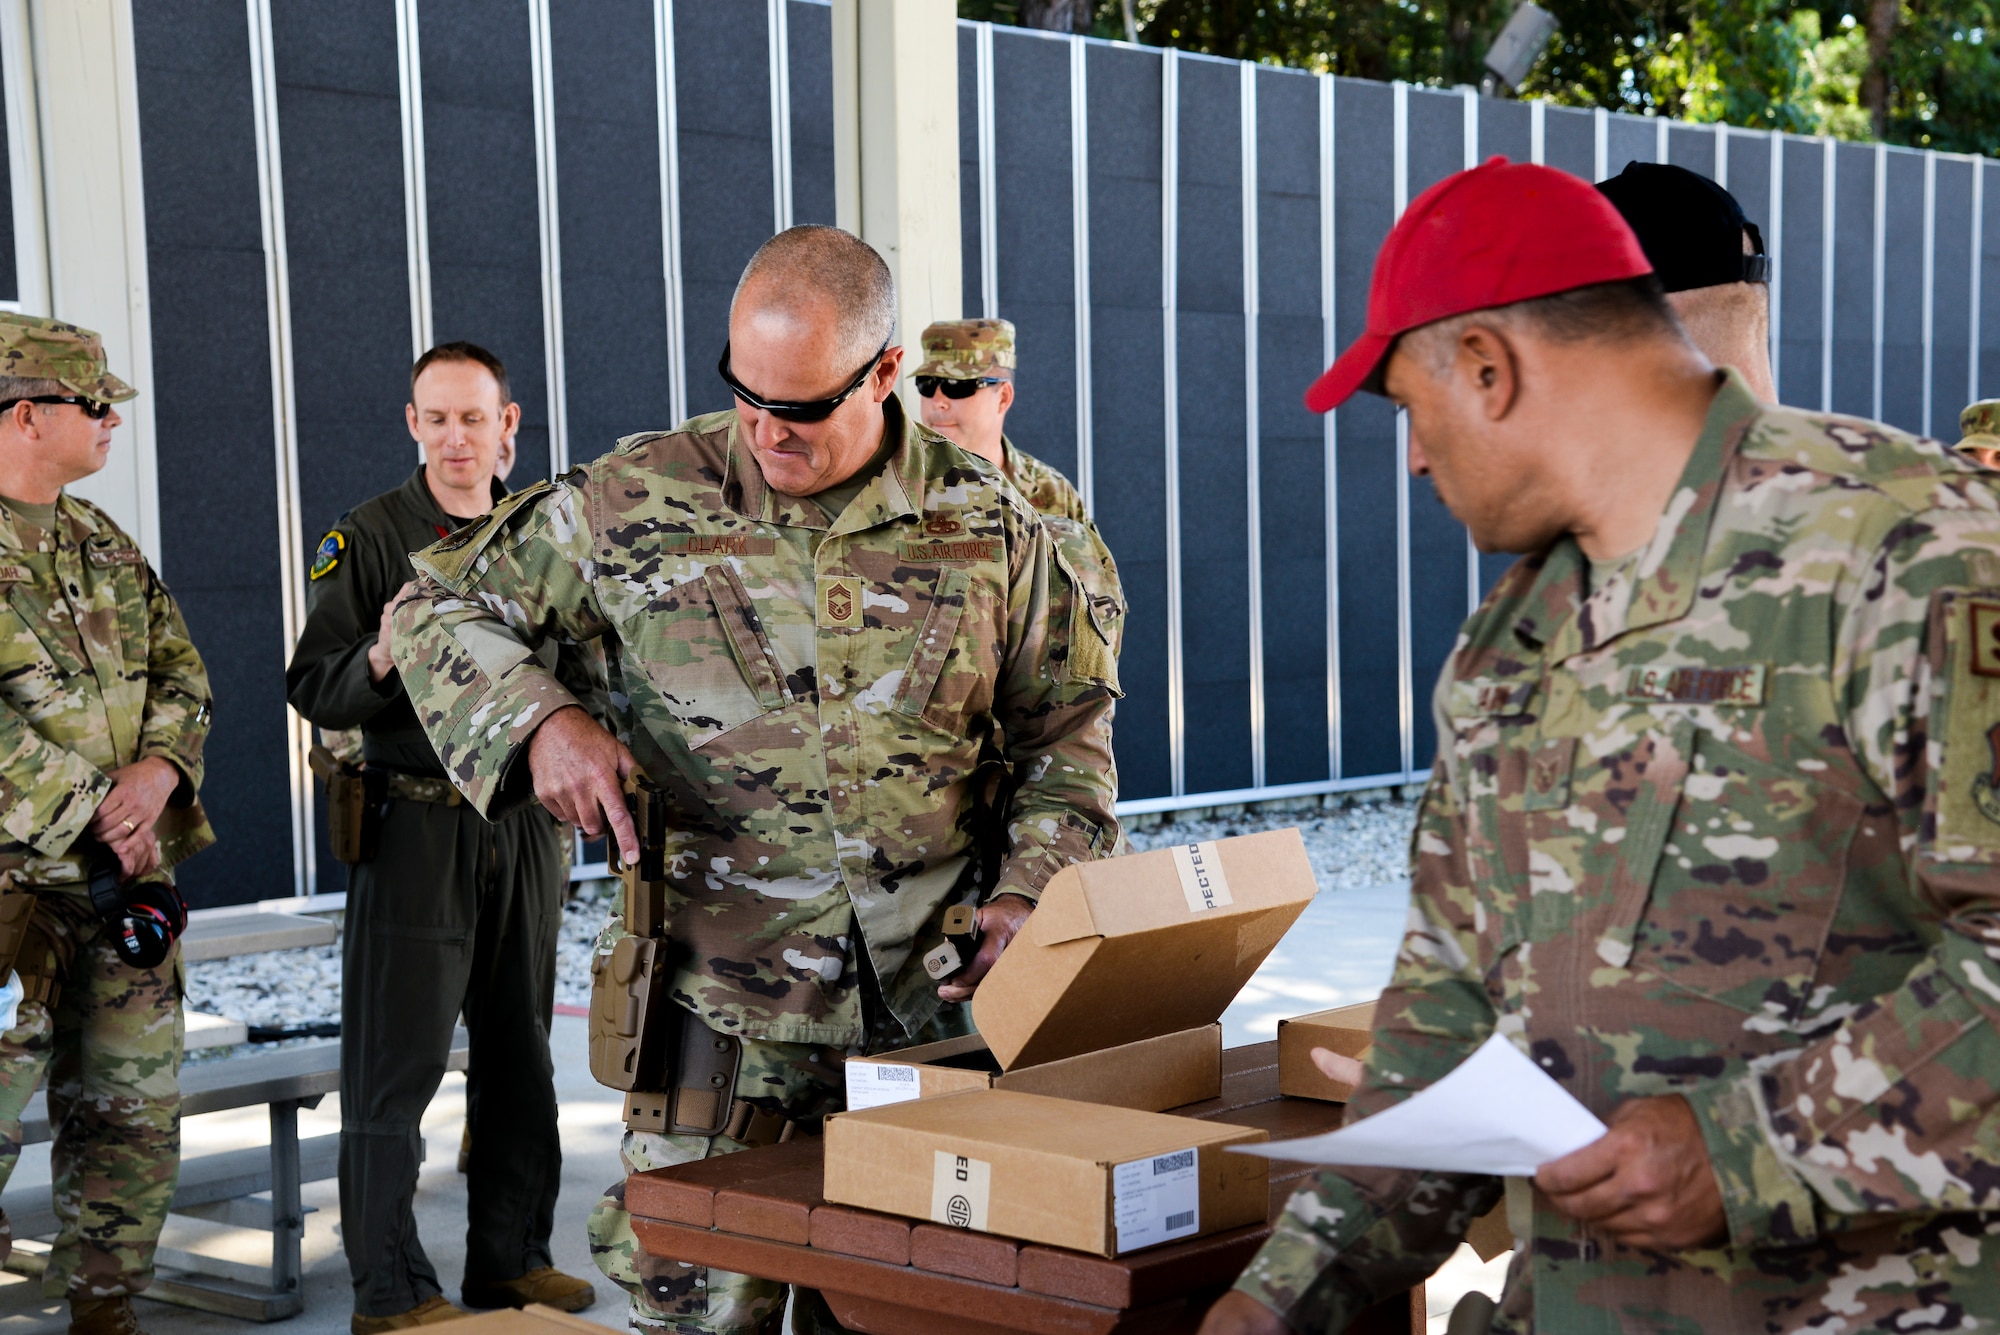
{"points": [[112, 1053], [800, 1080]]}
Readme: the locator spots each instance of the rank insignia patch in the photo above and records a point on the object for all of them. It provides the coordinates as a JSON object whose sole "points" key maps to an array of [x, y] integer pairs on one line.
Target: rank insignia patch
{"points": [[331, 548], [840, 602], [1985, 638]]}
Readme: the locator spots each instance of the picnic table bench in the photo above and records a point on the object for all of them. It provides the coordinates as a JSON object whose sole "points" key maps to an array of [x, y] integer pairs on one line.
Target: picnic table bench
{"points": [[761, 1213]]}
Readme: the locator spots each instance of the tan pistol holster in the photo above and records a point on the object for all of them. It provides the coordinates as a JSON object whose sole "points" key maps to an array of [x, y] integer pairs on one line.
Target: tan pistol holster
{"points": [[46, 944], [353, 806]]}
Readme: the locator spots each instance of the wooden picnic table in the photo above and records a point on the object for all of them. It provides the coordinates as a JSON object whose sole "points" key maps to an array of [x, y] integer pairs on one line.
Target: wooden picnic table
{"points": [[761, 1213]]}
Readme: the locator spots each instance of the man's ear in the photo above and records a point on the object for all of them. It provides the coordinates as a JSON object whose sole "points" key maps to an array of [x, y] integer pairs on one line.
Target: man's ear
{"points": [[1006, 396], [886, 371], [1488, 365], [410, 420], [510, 419]]}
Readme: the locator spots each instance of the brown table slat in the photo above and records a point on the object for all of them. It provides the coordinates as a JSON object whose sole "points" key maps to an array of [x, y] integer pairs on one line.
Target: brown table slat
{"points": [[1251, 1057], [1143, 1277], [955, 1251], [685, 1193], [863, 1233], [949, 1302], [779, 1208]]}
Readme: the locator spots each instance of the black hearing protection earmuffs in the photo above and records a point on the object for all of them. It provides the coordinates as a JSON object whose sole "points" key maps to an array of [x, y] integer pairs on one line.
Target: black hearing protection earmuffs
{"points": [[143, 919]]}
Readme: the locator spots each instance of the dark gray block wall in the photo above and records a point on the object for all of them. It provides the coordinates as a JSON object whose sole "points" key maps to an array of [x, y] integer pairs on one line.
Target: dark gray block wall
{"points": [[339, 108]]}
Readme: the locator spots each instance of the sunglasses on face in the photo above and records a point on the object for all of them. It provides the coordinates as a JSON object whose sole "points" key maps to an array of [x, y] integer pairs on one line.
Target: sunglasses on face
{"points": [[928, 385], [814, 410], [94, 409]]}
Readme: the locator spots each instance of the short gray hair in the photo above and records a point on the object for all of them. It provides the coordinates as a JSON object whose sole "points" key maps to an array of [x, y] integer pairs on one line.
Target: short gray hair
{"points": [[836, 265], [1616, 312], [20, 387]]}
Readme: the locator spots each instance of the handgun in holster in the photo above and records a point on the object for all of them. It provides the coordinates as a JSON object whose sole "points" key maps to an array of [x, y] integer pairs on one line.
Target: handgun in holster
{"points": [[354, 799]]}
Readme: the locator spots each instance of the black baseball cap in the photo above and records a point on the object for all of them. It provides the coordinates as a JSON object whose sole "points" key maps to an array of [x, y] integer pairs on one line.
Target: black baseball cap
{"points": [[1690, 228]]}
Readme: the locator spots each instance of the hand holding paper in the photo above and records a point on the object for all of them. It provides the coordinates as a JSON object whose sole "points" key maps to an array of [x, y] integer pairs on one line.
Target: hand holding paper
{"points": [[1496, 1113]]}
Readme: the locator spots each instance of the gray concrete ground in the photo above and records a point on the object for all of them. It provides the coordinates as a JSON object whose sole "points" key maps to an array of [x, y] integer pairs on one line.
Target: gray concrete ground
{"points": [[1340, 951]]}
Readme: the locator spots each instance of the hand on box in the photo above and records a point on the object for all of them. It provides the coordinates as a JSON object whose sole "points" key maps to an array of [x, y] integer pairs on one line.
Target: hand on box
{"points": [[1237, 1313], [998, 922], [1347, 1070], [1646, 1182], [579, 771]]}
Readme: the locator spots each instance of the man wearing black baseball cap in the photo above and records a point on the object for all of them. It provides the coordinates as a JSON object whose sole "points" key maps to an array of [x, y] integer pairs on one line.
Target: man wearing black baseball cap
{"points": [[1710, 259], [1712, 835]]}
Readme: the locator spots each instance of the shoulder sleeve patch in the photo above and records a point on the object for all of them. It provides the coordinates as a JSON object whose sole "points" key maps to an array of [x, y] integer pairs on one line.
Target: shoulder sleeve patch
{"points": [[1966, 774], [327, 555], [450, 558]]}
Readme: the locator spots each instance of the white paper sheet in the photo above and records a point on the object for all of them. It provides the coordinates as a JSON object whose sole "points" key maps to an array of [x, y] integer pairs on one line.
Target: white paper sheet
{"points": [[1496, 1113]]}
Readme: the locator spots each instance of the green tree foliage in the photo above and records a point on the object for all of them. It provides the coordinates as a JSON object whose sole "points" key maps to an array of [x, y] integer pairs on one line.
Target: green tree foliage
{"points": [[1764, 64]]}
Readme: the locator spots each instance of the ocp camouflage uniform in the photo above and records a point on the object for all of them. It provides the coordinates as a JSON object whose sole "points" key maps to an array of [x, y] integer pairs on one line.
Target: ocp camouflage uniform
{"points": [[96, 672], [814, 698], [1724, 826]]}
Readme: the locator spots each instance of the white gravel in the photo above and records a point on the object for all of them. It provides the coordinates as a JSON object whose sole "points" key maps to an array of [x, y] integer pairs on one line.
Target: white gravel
{"points": [[1358, 844]]}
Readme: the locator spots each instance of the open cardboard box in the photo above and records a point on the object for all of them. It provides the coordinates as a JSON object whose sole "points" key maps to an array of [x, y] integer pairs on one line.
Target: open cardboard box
{"points": [[1092, 1178], [1347, 1030], [1112, 991]]}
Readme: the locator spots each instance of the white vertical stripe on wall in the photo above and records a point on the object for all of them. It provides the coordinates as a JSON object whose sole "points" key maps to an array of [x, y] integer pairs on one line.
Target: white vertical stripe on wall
{"points": [[549, 214], [778, 28], [1406, 716], [1330, 439], [1170, 173], [1079, 185], [667, 107], [1252, 429]]}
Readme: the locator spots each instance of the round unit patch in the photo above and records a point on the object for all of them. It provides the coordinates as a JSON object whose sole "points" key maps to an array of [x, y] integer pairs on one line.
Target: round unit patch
{"points": [[331, 548]]}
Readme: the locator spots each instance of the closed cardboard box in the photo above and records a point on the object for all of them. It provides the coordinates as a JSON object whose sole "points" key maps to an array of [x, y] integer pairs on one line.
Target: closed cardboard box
{"points": [[1152, 1075], [1089, 1177], [1140, 946], [1347, 1030]]}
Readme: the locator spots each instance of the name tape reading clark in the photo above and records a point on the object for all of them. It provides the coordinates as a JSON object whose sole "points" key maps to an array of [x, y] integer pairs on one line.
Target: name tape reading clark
{"points": [[1202, 881]]}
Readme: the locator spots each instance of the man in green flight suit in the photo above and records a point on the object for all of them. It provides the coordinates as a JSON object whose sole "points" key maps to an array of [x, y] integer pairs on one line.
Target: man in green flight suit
{"points": [[1713, 835], [818, 613], [104, 708], [445, 912]]}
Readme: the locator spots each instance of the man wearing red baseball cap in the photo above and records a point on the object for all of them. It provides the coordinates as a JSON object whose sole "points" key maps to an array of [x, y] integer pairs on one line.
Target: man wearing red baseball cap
{"points": [[1713, 835]]}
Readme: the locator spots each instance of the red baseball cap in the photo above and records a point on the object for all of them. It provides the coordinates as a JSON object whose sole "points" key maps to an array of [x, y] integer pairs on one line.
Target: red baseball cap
{"points": [[1499, 233]]}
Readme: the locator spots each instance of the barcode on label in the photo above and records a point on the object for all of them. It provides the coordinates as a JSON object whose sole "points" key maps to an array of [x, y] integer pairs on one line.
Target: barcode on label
{"points": [[1185, 1219], [1172, 1163], [901, 1074]]}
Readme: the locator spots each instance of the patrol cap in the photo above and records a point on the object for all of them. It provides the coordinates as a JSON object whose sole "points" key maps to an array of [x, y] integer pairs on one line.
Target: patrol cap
{"points": [[1689, 226], [1490, 236], [32, 348], [1979, 425], [967, 349]]}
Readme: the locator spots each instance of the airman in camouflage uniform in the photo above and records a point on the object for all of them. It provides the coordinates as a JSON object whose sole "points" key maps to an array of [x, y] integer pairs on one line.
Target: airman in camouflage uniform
{"points": [[106, 710], [1712, 836], [1979, 432], [811, 675]]}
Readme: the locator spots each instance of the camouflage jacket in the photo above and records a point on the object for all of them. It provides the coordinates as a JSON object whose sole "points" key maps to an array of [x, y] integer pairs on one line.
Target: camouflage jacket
{"points": [[96, 671], [1726, 827], [814, 697], [1076, 537]]}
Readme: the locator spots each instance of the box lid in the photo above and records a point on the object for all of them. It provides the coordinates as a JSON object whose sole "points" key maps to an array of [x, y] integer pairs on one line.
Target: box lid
{"points": [[1092, 966]]}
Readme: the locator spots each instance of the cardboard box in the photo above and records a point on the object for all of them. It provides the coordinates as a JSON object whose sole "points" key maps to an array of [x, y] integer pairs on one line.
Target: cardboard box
{"points": [[534, 1319], [1084, 1176], [1347, 1030], [1141, 946], [1151, 1075]]}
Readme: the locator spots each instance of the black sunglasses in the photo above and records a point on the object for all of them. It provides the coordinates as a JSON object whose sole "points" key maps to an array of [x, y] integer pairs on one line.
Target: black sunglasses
{"points": [[928, 385], [95, 409], [814, 410]]}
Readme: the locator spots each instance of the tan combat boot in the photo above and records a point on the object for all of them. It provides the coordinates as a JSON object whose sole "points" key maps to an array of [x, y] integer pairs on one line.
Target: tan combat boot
{"points": [[547, 1285], [103, 1316], [429, 1312]]}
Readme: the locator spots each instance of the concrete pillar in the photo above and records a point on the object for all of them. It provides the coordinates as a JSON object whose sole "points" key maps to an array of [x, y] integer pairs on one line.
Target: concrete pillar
{"points": [[895, 140], [72, 94]]}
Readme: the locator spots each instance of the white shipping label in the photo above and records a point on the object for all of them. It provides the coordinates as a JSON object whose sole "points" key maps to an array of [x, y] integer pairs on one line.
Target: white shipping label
{"points": [[1156, 1200], [960, 1188], [1202, 881], [874, 1084]]}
